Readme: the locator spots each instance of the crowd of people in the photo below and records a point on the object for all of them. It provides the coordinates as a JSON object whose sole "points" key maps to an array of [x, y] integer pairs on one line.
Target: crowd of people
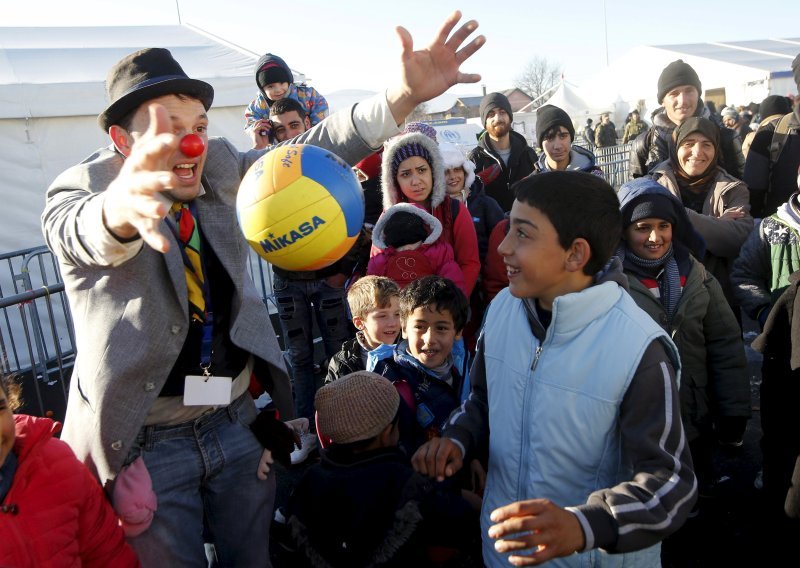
{"points": [[522, 363]]}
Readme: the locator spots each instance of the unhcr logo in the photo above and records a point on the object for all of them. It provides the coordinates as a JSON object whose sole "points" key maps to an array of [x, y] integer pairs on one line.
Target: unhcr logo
{"points": [[273, 243]]}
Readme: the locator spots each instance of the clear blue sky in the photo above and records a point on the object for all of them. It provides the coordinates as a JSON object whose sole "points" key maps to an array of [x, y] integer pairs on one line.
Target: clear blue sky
{"points": [[344, 44]]}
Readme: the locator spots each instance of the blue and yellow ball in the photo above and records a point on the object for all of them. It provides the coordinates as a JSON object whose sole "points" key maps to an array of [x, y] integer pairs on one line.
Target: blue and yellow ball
{"points": [[300, 207]]}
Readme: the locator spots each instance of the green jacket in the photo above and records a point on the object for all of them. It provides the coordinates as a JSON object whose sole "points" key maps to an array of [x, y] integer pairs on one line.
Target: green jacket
{"points": [[714, 380]]}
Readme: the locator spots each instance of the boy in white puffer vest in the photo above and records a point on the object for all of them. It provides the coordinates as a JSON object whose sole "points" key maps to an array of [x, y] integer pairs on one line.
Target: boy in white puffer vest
{"points": [[576, 389]]}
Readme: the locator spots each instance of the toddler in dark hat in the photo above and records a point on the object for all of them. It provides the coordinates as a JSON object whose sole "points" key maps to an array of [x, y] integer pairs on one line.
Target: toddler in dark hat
{"points": [[275, 81], [363, 505]]}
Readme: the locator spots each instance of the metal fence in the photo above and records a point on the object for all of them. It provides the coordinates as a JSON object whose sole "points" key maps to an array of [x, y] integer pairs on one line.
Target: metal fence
{"points": [[37, 339], [613, 160]]}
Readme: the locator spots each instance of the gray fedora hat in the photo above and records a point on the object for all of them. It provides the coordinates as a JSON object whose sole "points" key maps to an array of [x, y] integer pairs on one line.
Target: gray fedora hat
{"points": [[145, 75]]}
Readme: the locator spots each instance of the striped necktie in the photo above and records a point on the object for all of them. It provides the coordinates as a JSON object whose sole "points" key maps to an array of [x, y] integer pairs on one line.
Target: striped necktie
{"points": [[189, 239]]}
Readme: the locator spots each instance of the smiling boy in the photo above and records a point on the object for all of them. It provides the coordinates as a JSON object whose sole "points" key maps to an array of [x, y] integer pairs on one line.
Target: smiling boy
{"points": [[375, 307], [433, 312], [575, 388]]}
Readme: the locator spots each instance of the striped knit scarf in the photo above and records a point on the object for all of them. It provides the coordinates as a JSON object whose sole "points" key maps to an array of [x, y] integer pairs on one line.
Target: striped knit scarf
{"points": [[669, 280]]}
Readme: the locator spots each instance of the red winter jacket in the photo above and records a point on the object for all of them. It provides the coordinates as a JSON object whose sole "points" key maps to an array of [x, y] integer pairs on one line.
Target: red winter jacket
{"points": [[495, 277], [55, 513]]}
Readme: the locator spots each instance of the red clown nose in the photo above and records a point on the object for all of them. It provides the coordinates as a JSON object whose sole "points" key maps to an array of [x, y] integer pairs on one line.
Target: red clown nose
{"points": [[192, 145]]}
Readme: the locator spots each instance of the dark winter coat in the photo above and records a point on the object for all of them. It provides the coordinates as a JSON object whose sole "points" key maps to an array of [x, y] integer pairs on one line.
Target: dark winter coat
{"points": [[714, 378], [372, 509], [347, 360], [653, 146], [771, 184], [780, 393], [434, 399], [520, 165]]}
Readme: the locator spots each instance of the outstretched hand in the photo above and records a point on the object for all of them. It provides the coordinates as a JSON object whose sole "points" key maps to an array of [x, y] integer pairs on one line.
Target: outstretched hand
{"points": [[429, 72], [134, 202]]}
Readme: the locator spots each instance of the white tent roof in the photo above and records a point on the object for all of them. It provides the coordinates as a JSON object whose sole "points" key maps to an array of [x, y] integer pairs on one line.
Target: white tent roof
{"points": [[747, 70], [61, 71], [569, 98]]}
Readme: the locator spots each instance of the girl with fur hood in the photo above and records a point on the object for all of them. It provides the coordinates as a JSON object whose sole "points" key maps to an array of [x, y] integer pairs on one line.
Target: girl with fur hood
{"points": [[413, 172], [411, 248]]}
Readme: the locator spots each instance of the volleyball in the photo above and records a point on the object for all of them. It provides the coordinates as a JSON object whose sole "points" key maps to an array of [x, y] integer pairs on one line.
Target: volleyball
{"points": [[300, 207]]}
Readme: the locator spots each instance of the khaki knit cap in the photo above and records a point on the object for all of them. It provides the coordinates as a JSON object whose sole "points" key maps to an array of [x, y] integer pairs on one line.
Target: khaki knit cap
{"points": [[356, 407]]}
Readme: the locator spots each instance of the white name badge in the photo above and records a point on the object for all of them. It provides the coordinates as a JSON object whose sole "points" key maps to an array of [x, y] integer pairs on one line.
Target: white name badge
{"points": [[205, 391]]}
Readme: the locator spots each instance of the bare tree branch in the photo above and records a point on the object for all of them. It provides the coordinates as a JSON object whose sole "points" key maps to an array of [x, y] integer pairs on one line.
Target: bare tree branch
{"points": [[419, 113], [538, 75]]}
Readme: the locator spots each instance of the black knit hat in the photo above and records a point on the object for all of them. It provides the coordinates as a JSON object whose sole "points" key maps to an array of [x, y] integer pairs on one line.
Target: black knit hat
{"points": [[404, 228], [774, 104], [676, 74], [649, 206], [272, 69], [796, 71], [547, 117], [493, 101], [145, 75]]}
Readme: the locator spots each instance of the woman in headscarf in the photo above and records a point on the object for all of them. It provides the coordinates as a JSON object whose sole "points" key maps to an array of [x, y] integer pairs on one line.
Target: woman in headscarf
{"points": [[717, 203]]}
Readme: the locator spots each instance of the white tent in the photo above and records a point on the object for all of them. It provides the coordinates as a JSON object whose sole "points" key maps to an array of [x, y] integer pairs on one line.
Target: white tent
{"points": [[52, 88], [741, 72]]}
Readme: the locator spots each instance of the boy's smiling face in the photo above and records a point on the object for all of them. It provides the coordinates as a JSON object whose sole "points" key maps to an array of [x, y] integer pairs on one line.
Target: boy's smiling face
{"points": [[381, 325], [431, 334], [276, 91], [536, 263]]}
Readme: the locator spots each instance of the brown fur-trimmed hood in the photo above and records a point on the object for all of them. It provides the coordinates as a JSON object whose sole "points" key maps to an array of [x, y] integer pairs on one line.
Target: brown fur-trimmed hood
{"points": [[391, 191]]}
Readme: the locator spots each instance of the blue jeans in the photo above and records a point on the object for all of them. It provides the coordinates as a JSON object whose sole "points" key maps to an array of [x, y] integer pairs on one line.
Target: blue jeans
{"points": [[206, 469], [296, 299]]}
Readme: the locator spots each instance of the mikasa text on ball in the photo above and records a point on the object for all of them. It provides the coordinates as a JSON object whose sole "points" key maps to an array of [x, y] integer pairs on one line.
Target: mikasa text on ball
{"points": [[300, 207]]}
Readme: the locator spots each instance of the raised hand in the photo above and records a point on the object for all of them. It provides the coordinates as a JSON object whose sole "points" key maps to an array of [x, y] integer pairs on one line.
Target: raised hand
{"points": [[429, 72], [134, 202]]}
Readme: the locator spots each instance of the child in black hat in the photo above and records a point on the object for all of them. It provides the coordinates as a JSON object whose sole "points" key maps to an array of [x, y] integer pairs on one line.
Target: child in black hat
{"points": [[555, 135], [275, 82]]}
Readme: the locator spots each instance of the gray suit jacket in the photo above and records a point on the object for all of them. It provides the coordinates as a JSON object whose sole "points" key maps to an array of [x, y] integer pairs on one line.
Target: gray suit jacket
{"points": [[131, 320]]}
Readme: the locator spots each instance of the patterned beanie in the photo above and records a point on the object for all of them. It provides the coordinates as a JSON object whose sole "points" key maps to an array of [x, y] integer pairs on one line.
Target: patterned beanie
{"points": [[355, 407], [422, 128], [413, 148]]}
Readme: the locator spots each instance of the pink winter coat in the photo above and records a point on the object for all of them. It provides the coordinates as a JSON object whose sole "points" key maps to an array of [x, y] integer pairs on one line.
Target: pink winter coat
{"points": [[56, 513], [433, 257]]}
